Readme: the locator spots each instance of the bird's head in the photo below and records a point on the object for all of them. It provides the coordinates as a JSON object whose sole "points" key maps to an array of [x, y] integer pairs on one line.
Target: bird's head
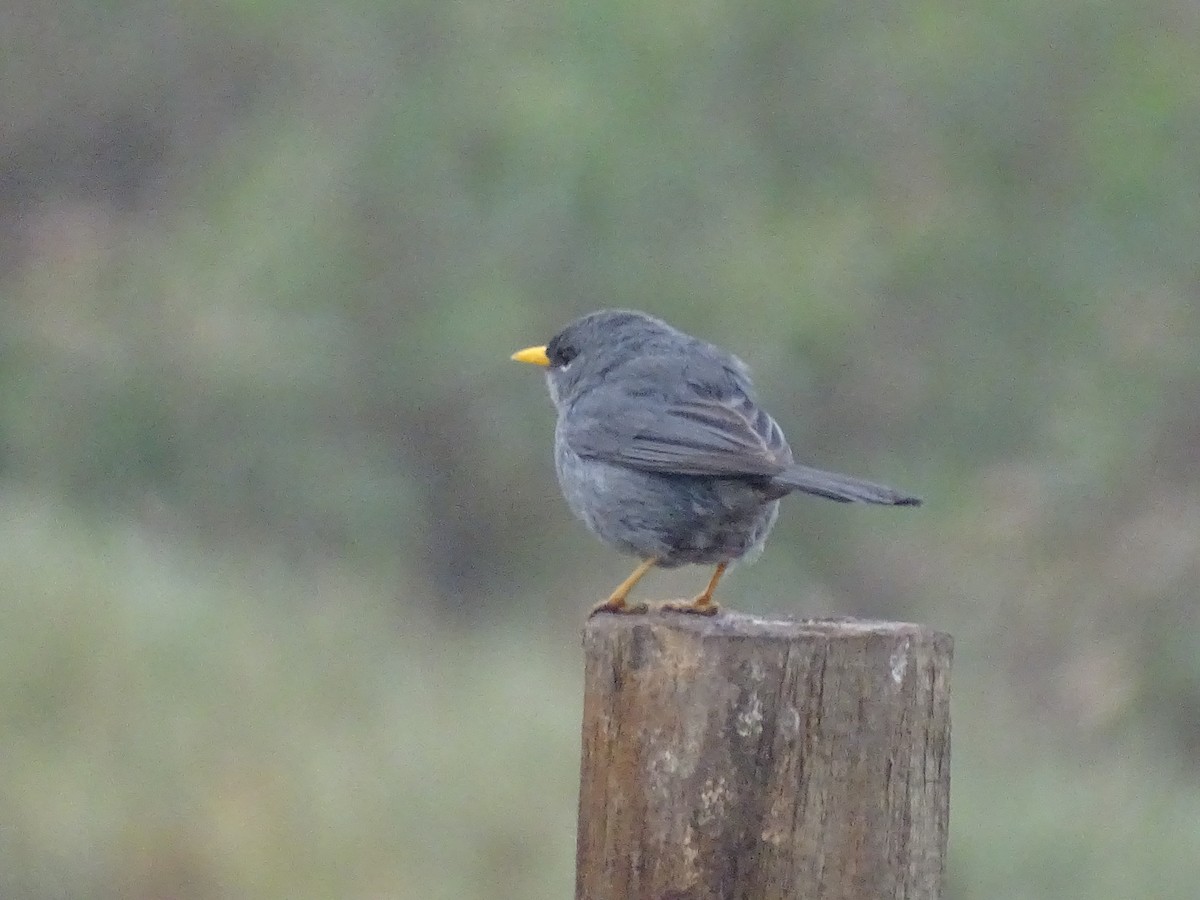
{"points": [[584, 352]]}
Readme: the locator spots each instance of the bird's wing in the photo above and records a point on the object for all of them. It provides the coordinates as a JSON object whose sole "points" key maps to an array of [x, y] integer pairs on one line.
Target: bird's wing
{"points": [[694, 421]]}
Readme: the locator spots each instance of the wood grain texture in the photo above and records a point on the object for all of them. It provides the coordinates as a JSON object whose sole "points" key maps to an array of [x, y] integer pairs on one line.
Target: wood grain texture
{"points": [[734, 757]]}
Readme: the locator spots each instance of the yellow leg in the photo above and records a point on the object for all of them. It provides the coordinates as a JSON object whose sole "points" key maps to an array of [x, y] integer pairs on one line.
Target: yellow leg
{"points": [[616, 602], [701, 605]]}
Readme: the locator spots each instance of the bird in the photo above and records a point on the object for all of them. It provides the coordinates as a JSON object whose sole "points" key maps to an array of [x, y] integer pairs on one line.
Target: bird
{"points": [[662, 449]]}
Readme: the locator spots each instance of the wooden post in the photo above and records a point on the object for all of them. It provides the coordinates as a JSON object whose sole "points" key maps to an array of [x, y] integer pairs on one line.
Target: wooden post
{"points": [[734, 757]]}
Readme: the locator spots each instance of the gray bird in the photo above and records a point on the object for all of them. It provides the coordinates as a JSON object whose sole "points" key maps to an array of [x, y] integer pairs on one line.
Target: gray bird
{"points": [[662, 450]]}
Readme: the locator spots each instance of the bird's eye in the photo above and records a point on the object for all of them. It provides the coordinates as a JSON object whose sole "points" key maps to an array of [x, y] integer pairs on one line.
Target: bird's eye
{"points": [[561, 353]]}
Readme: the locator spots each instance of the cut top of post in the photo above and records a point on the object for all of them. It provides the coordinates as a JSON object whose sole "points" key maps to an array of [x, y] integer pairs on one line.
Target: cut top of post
{"points": [[740, 625]]}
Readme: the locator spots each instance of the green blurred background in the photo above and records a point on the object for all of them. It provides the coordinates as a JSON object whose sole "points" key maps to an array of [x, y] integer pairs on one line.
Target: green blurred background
{"points": [[289, 603]]}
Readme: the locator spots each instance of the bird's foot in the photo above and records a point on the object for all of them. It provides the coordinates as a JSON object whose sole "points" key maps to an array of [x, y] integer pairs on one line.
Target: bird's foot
{"points": [[700, 606], [619, 607], [616, 600]]}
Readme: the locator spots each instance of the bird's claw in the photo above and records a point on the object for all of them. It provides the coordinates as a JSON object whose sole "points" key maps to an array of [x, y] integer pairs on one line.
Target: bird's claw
{"points": [[698, 607], [622, 608]]}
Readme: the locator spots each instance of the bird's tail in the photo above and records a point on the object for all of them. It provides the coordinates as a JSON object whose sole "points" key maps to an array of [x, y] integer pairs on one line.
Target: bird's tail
{"points": [[841, 488]]}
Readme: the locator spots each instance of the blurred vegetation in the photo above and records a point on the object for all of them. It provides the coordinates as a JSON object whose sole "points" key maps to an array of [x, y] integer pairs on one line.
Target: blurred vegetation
{"points": [[289, 602]]}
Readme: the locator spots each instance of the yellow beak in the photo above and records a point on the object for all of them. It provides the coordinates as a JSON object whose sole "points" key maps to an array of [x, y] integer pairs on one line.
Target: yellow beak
{"points": [[535, 355]]}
